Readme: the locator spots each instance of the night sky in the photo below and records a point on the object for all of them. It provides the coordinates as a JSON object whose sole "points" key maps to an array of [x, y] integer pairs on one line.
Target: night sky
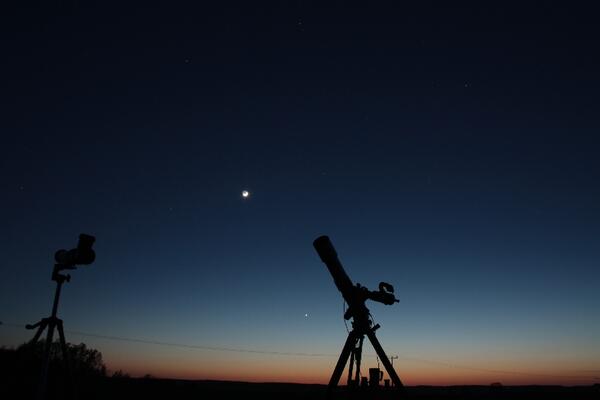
{"points": [[452, 151]]}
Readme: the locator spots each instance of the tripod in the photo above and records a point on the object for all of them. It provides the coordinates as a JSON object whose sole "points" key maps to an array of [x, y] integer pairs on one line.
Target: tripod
{"points": [[51, 323], [361, 326]]}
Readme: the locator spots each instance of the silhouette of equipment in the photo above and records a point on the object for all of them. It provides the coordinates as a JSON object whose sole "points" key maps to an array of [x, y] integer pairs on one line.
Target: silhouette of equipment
{"points": [[356, 296], [65, 259]]}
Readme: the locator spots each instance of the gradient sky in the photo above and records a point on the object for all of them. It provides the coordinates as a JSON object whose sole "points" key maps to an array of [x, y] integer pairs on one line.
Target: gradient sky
{"points": [[451, 151]]}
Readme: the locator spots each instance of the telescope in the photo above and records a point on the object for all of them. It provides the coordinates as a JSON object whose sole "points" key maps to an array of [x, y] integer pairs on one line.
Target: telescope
{"points": [[356, 296], [83, 254]]}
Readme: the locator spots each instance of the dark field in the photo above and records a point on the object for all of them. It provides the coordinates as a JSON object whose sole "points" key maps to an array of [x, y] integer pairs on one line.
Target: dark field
{"points": [[150, 388], [153, 388]]}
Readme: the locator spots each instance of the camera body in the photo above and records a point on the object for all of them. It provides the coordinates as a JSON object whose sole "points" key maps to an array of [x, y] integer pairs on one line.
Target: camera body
{"points": [[384, 295]]}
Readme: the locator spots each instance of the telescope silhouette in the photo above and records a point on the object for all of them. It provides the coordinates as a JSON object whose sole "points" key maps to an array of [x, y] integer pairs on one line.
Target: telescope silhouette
{"points": [[356, 296], [83, 254]]}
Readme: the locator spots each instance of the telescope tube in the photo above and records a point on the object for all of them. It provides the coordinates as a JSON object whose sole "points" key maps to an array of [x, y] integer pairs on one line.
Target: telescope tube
{"points": [[329, 256]]}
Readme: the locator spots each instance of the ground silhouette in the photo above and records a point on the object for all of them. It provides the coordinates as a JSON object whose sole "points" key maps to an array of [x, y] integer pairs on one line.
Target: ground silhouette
{"points": [[20, 368]]}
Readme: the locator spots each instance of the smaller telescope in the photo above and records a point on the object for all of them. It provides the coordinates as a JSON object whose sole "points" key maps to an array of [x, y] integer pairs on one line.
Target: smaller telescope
{"points": [[83, 254]]}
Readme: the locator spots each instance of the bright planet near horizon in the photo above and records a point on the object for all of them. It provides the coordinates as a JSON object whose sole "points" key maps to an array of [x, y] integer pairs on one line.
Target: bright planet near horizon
{"points": [[245, 194]]}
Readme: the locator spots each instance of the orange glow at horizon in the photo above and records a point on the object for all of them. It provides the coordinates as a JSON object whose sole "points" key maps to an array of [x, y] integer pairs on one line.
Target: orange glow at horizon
{"points": [[318, 371], [475, 368]]}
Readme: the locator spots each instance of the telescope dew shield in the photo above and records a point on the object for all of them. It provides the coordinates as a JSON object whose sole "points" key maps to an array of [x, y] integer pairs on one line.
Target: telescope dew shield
{"points": [[329, 256]]}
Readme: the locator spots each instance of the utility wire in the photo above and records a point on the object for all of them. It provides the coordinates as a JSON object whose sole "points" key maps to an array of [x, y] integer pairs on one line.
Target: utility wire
{"points": [[187, 346], [303, 354], [199, 347]]}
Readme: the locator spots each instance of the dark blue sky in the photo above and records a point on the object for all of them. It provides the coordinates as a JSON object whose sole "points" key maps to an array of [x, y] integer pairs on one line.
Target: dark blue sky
{"points": [[452, 151]]}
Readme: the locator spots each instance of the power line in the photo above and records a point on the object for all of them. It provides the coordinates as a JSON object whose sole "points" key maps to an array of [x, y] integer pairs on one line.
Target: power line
{"points": [[199, 347], [304, 354], [187, 346]]}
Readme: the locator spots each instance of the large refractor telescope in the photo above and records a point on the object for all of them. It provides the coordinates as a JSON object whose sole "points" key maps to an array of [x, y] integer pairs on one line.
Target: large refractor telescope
{"points": [[356, 296]]}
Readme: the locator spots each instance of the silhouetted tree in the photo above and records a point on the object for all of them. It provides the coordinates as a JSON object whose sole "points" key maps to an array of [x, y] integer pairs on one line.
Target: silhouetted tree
{"points": [[120, 375], [85, 362], [20, 368]]}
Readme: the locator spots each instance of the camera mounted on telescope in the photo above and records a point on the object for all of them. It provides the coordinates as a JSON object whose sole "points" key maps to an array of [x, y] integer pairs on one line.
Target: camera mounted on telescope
{"points": [[384, 295], [83, 254], [359, 294]]}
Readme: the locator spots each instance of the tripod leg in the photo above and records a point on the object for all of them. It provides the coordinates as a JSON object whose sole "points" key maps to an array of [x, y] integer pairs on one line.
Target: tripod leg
{"points": [[358, 359], [385, 360], [351, 367], [46, 360], [41, 326], [339, 368], [66, 357]]}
